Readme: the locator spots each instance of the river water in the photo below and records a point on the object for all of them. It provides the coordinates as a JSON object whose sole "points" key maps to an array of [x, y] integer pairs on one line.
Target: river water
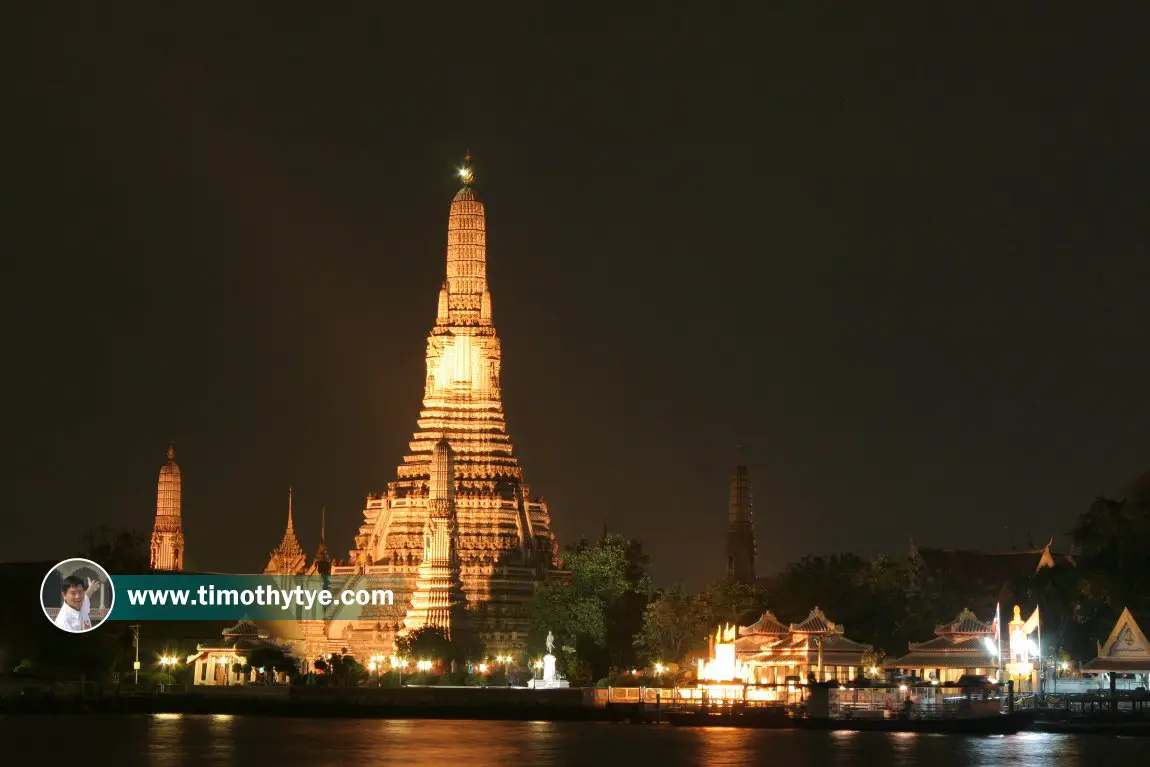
{"points": [[182, 740]]}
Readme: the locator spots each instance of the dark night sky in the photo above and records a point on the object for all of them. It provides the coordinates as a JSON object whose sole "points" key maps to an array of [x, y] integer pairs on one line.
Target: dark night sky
{"points": [[901, 258]]}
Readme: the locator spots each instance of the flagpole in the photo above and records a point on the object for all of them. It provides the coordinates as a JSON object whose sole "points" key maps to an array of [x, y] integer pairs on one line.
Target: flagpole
{"points": [[1041, 662], [998, 623]]}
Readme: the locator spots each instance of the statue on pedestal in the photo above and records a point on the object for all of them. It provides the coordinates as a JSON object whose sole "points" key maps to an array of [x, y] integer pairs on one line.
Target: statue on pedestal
{"points": [[550, 643]]}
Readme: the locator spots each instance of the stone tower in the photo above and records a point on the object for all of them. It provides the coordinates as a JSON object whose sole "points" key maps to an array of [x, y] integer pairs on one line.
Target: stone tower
{"points": [[167, 551], [438, 599], [287, 558], [740, 529], [504, 542]]}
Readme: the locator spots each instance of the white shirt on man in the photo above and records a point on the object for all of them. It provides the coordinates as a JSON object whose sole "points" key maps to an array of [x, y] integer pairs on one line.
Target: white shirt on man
{"points": [[71, 619]]}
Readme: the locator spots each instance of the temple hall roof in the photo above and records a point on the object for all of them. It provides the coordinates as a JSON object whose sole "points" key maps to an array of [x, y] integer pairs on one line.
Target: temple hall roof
{"points": [[766, 624], [944, 652], [816, 623], [965, 622]]}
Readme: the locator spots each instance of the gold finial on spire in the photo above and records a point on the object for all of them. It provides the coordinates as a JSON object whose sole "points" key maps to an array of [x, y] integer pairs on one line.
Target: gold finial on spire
{"points": [[171, 450], [289, 508], [466, 172]]}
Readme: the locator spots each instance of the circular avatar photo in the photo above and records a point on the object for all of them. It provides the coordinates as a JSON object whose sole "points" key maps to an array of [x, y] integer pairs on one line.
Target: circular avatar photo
{"points": [[77, 595]]}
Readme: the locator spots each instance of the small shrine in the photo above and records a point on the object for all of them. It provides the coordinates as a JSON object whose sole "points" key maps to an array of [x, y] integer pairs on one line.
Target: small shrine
{"points": [[1125, 655], [965, 646], [215, 665]]}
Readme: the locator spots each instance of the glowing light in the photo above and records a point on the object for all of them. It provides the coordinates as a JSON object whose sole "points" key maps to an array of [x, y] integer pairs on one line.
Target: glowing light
{"points": [[660, 668], [482, 668], [934, 681], [1065, 666], [874, 670], [466, 175], [538, 664], [723, 666], [990, 646], [902, 688], [424, 665]]}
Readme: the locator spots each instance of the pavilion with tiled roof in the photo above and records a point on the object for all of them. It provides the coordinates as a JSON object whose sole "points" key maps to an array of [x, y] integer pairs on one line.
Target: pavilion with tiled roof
{"points": [[814, 646], [216, 664], [961, 647]]}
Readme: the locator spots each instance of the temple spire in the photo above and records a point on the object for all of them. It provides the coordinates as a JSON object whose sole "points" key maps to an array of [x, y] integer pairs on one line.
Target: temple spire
{"points": [[287, 558], [468, 302], [740, 529], [290, 526], [167, 549], [321, 551]]}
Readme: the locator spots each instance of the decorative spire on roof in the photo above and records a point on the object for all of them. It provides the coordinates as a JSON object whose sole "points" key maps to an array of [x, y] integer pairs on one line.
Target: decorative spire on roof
{"points": [[321, 552], [287, 558]]}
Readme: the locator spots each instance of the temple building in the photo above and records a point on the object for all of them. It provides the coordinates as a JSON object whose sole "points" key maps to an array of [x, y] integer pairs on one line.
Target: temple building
{"points": [[220, 664], [502, 539], [740, 529], [816, 649], [287, 558], [167, 549], [1124, 659], [965, 646], [438, 599], [991, 576]]}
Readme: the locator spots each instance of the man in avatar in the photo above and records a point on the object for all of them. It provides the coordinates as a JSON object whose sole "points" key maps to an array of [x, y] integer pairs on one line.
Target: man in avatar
{"points": [[75, 608]]}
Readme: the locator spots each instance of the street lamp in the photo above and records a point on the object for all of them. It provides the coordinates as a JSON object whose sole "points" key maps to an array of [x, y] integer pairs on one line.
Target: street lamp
{"points": [[399, 664], [376, 665], [167, 661], [659, 669]]}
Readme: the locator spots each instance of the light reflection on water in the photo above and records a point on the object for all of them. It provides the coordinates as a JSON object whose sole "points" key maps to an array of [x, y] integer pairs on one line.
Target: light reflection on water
{"points": [[221, 739]]}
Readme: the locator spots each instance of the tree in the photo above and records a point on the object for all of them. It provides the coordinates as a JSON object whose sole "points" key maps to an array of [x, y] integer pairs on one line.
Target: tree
{"points": [[117, 551], [596, 616], [271, 659], [728, 602], [1112, 539], [673, 625], [427, 643], [345, 669]]}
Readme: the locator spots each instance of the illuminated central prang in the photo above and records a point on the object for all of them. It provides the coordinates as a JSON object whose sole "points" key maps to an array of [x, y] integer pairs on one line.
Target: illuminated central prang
{"points": [[502, 535]]}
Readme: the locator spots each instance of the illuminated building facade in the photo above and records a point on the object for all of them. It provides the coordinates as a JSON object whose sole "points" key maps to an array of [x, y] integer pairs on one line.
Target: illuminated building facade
{"points": [[815, 648], [501, 535], [167, 549], [965, 646]]}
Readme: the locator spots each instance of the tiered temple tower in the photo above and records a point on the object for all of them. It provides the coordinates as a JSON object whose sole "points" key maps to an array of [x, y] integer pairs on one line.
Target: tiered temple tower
{"points": [[740, 529], [167, 551], [287, 558], [438, 599], [504, 542]]}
